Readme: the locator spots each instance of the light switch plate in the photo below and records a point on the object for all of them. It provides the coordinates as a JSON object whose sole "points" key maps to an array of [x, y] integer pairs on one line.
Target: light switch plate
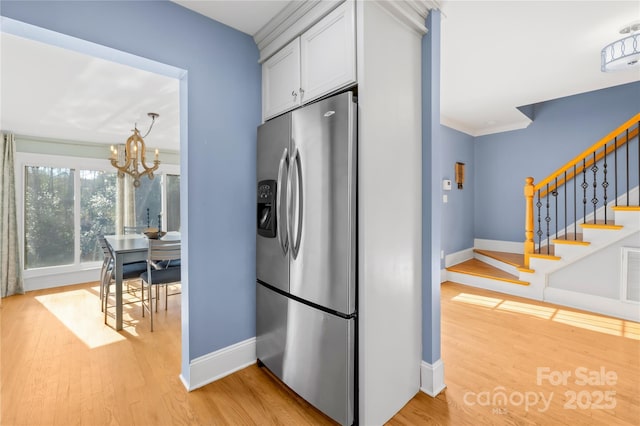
{"points": [[446, 185]]}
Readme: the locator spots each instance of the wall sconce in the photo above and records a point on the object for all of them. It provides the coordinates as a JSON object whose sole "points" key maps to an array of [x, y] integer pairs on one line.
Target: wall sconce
{"points": [[459, 174]]}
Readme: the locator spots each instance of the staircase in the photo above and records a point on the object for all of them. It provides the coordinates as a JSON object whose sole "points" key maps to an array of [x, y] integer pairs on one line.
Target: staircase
{"points": [[579, 261]]}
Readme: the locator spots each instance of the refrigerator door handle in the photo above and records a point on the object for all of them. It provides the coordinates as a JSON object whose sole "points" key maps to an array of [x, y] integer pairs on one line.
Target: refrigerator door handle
{"points": [[284, 243], [295, 165]]}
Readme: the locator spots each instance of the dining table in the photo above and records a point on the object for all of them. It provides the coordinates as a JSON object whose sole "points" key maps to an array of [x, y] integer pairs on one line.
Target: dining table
{"points": [[129, 248]]}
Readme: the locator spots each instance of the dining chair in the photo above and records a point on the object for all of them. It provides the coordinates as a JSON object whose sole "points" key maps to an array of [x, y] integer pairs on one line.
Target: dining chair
{"points": [[160, 251], [105, 270], [130, 273]]}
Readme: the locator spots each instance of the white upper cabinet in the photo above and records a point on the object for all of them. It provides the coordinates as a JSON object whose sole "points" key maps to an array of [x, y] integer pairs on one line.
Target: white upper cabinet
{"points": [[320, 61], [281, 80], [328, 54]]}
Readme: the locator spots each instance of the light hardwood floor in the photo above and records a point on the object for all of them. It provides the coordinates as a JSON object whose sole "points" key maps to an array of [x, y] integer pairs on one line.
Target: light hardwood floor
{"points": [[61, 366]]}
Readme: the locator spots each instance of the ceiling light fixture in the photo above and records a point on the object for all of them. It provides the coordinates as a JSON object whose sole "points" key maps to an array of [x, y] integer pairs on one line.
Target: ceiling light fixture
{"points": [[134, 155], [624, 53]]}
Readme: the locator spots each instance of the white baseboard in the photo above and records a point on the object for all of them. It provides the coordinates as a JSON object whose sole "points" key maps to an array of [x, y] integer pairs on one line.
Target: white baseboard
{"points": [[458, 257], [497, 245], [443, 276], [510, 269], [216, 365], [589, 302], [59, 280], [432, 378]]}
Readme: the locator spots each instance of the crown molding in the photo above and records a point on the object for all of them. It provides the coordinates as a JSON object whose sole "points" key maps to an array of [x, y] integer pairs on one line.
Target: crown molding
{"points": [[298, 16], [412, 13]]}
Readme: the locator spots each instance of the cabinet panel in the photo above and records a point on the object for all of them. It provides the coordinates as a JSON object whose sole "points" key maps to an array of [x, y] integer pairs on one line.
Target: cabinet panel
{"points": [[281, 81], [328, 53]]}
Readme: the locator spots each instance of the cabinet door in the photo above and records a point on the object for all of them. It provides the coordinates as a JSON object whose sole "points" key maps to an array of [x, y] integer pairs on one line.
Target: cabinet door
{"points": [[328, 53], [281, 81]]}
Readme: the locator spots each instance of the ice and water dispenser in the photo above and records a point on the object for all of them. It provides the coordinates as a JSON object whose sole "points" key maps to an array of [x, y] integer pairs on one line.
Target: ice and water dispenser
{"points": [[266, 208]]}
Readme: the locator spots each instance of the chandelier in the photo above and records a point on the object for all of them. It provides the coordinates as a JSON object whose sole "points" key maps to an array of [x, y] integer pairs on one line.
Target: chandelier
{"points": [[135, 155], [624, 53]]}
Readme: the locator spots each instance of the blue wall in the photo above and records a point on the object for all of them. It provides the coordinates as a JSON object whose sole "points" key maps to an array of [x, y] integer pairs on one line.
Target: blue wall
{"points": [[561, 129], [218, 159], [457, 214]]}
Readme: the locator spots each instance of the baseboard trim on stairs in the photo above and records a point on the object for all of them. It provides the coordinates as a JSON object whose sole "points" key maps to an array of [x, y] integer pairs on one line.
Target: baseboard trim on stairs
{"points": [[458, 257], [497, 245]]}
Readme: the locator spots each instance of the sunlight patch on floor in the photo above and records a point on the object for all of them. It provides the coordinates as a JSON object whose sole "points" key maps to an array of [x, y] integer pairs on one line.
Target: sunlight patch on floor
{"points": [[543, 312], [474, 299], [597, 323], [593, 322], [79, 311], [632, 330]]}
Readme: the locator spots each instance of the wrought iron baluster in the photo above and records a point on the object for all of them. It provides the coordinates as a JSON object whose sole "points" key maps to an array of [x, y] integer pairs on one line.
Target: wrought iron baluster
{"points": [[615, 168], [547, 218], [565, 205], [594, 200], [627, 161], [584, 190], [575, 204], [539, 232], [605, 184], [555, 197]]}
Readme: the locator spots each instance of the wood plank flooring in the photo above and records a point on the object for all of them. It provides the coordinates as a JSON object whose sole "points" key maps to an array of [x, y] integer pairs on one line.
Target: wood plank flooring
{"points": [[60, 365]]}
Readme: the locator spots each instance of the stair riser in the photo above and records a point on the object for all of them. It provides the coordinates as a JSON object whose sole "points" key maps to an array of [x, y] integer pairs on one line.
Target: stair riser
{"points": [[628, 219], [601, 236], [569, 251], [495, 285]]}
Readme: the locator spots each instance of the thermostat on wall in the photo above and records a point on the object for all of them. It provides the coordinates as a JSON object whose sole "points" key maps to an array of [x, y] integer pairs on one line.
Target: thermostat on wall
{"points": [[446, 185]]}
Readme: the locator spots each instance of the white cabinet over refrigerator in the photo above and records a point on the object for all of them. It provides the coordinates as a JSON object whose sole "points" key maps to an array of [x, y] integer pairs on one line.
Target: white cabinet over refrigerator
{"points": [[320, 61]]}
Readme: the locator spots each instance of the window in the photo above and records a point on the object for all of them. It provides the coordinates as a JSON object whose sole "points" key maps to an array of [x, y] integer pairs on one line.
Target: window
{"points": [[69, 202], [173, 202], [48, 217], [97, 211]]}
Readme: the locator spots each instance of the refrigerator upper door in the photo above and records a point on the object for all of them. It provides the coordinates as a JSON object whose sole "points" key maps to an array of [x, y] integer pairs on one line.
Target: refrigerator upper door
{"points": [[272, 251], [322, 203]]}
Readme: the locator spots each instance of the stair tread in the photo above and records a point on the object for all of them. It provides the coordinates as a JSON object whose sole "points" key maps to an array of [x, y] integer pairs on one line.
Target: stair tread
{"points": [[479, 268], [513, 259]]}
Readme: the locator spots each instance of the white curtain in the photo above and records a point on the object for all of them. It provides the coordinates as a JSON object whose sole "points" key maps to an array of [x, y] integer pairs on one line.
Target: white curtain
{"points": [[10, 268]]}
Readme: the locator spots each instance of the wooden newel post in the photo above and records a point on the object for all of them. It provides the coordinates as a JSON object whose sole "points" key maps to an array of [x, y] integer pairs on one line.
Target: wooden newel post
{"points": [[528, 223]]}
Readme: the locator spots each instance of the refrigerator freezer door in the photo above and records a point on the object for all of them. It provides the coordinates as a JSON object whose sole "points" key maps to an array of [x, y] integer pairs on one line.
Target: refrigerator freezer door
{"points": [[323, 177], [272, 253], [310, 350]]}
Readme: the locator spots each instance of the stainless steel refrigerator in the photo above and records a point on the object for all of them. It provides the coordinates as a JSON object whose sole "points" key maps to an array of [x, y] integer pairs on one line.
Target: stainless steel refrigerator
{"points": [[306, 253]]}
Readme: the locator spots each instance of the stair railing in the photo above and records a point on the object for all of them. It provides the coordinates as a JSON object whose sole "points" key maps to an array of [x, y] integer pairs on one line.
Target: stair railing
{"points": [[579, 190]]}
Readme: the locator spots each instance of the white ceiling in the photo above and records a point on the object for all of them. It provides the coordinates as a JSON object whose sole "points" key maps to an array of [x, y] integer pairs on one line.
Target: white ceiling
{"points": [[496, 56], [51, 92], [247, 16]]}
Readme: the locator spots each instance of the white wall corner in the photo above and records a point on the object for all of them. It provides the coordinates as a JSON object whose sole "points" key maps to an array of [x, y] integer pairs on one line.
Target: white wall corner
{"points": [[216, 365], [443, 276], [432, 378]]}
